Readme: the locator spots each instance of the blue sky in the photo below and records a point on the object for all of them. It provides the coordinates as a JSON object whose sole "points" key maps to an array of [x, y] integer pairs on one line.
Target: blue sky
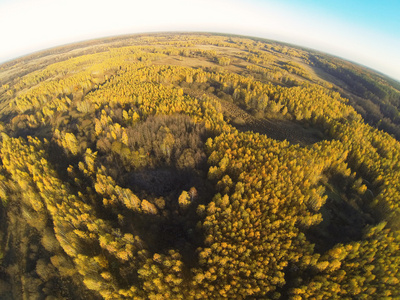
{"points": [[367, 32], [376, 15]]}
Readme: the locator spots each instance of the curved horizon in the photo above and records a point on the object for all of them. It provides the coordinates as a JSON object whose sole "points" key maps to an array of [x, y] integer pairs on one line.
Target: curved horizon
{"points": [[363, 32]]}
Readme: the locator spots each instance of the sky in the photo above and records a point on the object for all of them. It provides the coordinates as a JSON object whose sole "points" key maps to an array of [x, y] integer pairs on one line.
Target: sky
{"points": [[363, 31]]}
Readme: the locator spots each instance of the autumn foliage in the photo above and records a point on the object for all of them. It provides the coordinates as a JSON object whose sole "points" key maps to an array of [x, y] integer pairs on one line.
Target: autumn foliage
{"points": [[146, 170]]}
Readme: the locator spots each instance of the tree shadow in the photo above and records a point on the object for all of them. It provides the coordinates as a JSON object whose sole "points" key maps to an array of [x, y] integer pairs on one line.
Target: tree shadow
{"points": [[41, 132], [344, 218], [173, 227]]}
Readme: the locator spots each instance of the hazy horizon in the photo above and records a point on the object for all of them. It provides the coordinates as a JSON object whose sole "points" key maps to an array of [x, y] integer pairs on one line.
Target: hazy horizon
{"points": [[364, 32]]}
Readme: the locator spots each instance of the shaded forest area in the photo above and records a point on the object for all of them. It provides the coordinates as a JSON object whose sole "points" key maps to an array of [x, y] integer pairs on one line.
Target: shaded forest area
{"points": [[375, 97], [197, 166]]}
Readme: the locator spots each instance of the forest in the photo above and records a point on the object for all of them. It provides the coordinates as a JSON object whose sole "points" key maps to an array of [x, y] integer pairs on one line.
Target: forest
{"points": [[197, 166]]}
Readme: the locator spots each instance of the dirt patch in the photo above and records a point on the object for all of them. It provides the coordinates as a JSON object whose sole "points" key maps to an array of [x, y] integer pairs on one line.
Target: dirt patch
{"points": [[226, 50], [328, 78], [192, 62], [200, 62], [276, 128]]}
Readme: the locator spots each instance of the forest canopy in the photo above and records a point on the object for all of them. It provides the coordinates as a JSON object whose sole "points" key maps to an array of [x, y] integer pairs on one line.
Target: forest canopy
{"points": [[197, 166]]}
